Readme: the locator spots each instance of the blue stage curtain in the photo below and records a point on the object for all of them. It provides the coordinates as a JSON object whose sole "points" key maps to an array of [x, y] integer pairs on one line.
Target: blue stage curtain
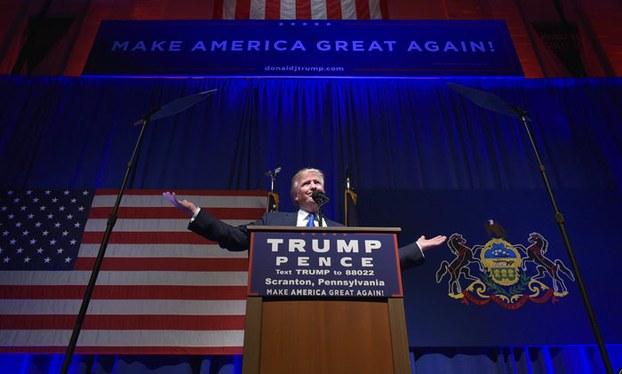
{"points": [[393, 134]]}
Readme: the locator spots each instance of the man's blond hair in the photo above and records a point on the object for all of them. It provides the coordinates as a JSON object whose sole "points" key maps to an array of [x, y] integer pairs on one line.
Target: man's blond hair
{"points": [[296, 180]]}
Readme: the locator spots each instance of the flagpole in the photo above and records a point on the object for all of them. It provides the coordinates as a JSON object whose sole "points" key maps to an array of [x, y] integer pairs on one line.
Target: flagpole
{"points": [[272, 205], [345, 201], [350, 203]]}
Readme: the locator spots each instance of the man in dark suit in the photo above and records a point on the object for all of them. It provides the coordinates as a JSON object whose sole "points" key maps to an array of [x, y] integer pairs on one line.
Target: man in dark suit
{"points": [[237, 238]]}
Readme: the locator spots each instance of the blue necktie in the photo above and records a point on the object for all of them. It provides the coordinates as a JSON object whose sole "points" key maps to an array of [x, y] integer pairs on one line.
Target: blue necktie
{"points": [[311, 219]]}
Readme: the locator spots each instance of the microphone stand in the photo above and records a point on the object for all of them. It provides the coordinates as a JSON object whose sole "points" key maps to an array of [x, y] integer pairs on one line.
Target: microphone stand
{"points": [[320, 199], [492, 102], [559, 218], [320, 216], [112, 219], [169, 109]]}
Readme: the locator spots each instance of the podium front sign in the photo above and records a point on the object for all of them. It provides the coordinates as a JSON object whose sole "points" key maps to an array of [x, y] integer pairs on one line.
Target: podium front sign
{"points": [[308, 262]]}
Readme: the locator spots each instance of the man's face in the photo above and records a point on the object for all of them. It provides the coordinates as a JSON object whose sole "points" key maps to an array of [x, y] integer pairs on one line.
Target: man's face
{"points": [[307, 183]]}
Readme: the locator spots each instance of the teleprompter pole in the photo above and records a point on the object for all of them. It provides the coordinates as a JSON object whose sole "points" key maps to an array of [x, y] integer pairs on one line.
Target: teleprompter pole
{"points": [[112, 219], [559, 218], [169, 109], [492, 102]]}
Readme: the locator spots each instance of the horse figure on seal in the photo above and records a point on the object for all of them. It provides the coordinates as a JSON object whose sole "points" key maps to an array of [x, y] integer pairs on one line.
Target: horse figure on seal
{"points": [[464, 256], [535, 253]]}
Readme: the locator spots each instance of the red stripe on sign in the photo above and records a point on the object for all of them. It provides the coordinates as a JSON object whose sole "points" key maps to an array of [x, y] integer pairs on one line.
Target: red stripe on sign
{"points": [[134, 350], [142, 237], [167, 264], [174, 213], [126, 292], [122, 322]]}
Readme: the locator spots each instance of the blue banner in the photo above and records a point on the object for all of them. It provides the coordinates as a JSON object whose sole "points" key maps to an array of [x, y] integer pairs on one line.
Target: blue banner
{"points": [[303, 48]]}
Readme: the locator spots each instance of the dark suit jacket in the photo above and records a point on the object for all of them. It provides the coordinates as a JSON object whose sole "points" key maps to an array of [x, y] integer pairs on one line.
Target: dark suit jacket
{"points": [[237, 238]]}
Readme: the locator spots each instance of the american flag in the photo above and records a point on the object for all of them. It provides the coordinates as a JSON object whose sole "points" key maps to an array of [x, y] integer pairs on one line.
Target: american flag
{"points": [[298, 9], [161, 290]]}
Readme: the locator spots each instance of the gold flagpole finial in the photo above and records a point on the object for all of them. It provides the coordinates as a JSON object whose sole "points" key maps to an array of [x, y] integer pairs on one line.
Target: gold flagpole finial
{"points": [[273, 197]]}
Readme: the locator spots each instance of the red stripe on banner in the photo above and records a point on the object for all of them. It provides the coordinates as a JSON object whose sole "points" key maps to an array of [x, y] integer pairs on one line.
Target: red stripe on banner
{"points": [[141, 237], [362, 9], [102, 292], [333, 9], [122, 322], [172, 212], [303, 9], [131, 349], [166, 264], [273, 9]]}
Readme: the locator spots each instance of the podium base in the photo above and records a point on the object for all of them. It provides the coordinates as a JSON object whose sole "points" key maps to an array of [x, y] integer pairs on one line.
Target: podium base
{"points": [[325, 336]]}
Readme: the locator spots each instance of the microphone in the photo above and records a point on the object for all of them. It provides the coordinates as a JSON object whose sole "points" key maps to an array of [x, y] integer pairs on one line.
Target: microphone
{"points": [[319, 197]]}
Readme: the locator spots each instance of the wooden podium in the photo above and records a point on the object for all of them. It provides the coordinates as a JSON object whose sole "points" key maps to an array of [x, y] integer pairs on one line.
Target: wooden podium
{"points": [[298, 321]]}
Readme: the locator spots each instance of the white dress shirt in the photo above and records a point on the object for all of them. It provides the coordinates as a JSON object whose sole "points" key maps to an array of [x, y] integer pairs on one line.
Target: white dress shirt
{"points": [[303, 218]]}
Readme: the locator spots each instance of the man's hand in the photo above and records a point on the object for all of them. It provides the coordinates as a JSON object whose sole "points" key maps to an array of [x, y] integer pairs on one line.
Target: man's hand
{"points": [[425, 244], [184, 205]]}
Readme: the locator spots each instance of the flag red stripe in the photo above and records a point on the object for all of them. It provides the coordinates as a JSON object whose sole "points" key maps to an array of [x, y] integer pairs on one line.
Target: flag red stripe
{"points": [[303, 9], [185, 192], [127, 350], [218, 9], [384, 9], [362, 9], [273, 9], [166, 264], [138, 237], [104, 292], [333, 9], [242, 9], [123, 322], [173, 213]]}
